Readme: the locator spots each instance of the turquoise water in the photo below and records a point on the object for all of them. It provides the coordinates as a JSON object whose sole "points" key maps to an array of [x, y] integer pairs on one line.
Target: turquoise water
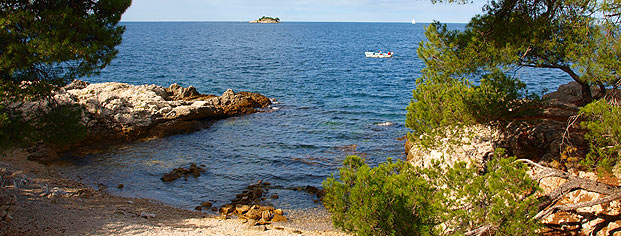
{"points": [[330, 102]]}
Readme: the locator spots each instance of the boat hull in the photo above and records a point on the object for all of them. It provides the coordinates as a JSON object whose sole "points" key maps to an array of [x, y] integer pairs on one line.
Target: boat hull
{"points": [[378, 55]]}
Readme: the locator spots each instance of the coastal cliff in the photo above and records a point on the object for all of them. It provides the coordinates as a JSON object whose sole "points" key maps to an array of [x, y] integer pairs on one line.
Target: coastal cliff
{"points": [[118, 112], [543, 141]]}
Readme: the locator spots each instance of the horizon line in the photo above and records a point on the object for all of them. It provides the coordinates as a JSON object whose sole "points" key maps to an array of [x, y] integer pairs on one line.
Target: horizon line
{"points": [[242, 21]]}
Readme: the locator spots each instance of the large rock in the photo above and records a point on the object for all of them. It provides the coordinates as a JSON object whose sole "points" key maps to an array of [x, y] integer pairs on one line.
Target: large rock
{"points": [[119, 111]]}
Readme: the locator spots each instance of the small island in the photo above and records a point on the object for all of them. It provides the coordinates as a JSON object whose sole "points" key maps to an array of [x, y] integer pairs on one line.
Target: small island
{"points": [[266, 20]]}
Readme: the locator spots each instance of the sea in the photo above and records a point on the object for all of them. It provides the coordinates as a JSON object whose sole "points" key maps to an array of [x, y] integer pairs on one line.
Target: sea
{"points": [[330, 101]]}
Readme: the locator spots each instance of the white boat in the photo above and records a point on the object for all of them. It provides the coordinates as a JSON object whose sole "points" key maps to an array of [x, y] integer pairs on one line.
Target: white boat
{"points": [[379, 54], [413, 21]]}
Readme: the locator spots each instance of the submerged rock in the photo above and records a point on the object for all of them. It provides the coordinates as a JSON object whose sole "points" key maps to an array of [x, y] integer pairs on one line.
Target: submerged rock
{"points": [[176, 173]]}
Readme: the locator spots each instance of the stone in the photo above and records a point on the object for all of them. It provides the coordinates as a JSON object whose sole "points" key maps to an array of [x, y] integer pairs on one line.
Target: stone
{"points": [[279, 218], [254, 214], [226, 209], [198, 208], [274, 196], [147, 215], [242, 209], [266, 215], [278, 212], [266, 208], [214, 209], [120, 186], [206, 204]]}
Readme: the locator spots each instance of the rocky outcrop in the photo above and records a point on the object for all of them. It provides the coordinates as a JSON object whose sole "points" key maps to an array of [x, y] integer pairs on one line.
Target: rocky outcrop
{"points": [[176, 173], [121, 112]]}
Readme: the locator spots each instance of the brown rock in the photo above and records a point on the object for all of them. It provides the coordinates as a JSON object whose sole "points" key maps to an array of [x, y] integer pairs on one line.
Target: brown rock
{"points": [[214, 209], [206, 204], [198, 208], [226, 209], [254, 214], [279, 218], [274, 196], [240, 210], [266, 208], [278, 212], [120, 186], [266, 215]]}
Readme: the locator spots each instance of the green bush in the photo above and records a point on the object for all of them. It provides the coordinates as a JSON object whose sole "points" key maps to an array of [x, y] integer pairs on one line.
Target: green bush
{"points": [[442, 106], [386, 200], [396, 198], [603, 124]]}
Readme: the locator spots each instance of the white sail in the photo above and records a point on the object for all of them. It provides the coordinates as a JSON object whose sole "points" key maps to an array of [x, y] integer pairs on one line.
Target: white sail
{"points": [[413, 21]]}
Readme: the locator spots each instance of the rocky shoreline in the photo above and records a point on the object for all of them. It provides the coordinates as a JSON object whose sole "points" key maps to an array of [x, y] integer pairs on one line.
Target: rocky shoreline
{"points": [[118, 113], [38, 200]]}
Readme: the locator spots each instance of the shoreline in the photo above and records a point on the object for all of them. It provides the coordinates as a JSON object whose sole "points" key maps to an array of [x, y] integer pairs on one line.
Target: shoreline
{"points": [[49, 203]]}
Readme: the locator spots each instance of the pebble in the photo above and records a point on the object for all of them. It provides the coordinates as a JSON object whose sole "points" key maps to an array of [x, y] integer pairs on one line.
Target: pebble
{"points": [[147, 215]]}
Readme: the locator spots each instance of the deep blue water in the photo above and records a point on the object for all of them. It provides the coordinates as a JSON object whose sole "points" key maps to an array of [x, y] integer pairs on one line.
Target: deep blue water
{"points": [[330, 98]]}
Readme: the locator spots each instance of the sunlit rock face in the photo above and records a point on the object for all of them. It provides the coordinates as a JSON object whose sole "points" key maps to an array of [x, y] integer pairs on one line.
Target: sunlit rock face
{"points": [[128, 112]]}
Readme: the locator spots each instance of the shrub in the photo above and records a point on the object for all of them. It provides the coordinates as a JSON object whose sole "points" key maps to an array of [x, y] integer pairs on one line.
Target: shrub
{"points": [[396, 198], [603, 134]]}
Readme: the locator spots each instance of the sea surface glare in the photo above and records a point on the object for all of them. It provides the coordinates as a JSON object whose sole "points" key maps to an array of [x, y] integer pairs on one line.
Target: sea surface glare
{"points": [[331, 102]]}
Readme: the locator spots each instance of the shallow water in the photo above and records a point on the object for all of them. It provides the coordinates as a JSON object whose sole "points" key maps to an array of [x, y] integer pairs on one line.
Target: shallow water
{"points": [[332, 102]]}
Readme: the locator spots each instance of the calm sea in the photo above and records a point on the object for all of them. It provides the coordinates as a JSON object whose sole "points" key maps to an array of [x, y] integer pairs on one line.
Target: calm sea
{"points": [[331, 102]]}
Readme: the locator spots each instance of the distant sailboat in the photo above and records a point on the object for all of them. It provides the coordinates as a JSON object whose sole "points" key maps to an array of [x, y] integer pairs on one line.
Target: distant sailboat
{"points": [[413, 21]]}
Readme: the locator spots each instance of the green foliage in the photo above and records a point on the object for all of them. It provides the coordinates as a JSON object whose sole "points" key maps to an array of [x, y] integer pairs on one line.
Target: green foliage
{"points": [[269, 18], [46, 44], [396, 198], [578, 37], [501, 198], [603, 123], [386, 200], [58, 126]]}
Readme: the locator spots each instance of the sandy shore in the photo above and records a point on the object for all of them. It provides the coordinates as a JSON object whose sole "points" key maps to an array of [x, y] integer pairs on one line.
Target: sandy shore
{"points": [[47, 203]]}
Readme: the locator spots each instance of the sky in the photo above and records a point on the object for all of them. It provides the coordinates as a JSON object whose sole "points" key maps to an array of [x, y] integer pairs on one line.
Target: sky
{"points": [[301, 10]]}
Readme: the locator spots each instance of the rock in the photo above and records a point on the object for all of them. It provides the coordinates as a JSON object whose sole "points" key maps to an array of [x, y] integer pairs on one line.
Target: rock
{"points": [[226, 210], [278, 212], [130, 202], [206, 204], [176, 173], [263, 222], [77, 84], [279, 218], [266, 208], [119, 112], [198, 208], [274, 196], [266, 215], [240, 210], [120, 186], [176, 92], [147, 215], [254, 214], [214, 209]]}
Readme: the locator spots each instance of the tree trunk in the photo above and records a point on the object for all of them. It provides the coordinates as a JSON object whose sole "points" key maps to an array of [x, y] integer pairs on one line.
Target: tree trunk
{"points": [[587, 97]]}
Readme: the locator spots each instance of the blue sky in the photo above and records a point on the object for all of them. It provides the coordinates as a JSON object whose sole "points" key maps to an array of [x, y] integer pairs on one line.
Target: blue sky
{"points": [[301, 10]]}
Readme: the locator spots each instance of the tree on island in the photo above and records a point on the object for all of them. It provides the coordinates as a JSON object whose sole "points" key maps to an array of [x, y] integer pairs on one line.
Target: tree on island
{"points": [[267, 18], [45, 45]]}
